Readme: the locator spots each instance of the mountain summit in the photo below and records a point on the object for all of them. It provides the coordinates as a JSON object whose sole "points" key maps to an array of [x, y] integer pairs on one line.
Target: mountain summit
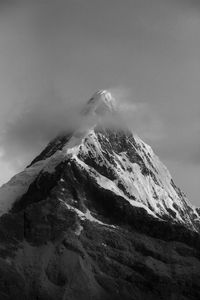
{"points": [[97, 215], [101, 102]]}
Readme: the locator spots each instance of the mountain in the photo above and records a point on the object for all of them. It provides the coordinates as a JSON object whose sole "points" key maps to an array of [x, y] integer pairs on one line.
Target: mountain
{"points": [[96, 215]]}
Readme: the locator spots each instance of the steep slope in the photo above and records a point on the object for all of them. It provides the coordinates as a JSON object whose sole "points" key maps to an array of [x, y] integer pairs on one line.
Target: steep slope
{"points": [[97, 216]]}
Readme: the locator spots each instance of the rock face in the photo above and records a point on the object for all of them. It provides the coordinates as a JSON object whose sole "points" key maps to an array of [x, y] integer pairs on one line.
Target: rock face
{"points": [[97, 216]]}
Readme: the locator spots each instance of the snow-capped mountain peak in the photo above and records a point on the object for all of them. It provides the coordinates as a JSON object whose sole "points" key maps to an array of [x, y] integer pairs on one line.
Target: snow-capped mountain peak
{"points": [[116, 160], [96, 215], [101, 103]]}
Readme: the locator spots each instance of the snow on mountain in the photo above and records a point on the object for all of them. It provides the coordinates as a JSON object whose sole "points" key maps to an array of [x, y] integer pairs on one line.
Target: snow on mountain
{"points": [[116, 160], [101, 102]]}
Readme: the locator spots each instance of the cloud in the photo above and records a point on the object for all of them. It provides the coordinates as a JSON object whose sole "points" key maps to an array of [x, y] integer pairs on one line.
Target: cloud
{"points": [[39, 122], [139, 115]]}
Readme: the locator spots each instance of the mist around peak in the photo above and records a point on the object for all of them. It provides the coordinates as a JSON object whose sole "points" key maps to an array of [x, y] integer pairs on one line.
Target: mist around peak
{"points": [[41, 119]]}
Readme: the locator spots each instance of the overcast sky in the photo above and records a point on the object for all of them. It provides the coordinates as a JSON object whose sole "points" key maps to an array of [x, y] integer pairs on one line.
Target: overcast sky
{"points": [[57, 53]]}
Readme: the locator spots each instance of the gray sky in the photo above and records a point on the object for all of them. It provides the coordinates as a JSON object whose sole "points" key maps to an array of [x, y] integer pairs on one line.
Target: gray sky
{"points": [[57, 53]]}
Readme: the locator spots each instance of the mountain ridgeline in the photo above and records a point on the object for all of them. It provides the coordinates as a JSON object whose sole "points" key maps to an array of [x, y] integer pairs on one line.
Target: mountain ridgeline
{"points": [[96, 215]]}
